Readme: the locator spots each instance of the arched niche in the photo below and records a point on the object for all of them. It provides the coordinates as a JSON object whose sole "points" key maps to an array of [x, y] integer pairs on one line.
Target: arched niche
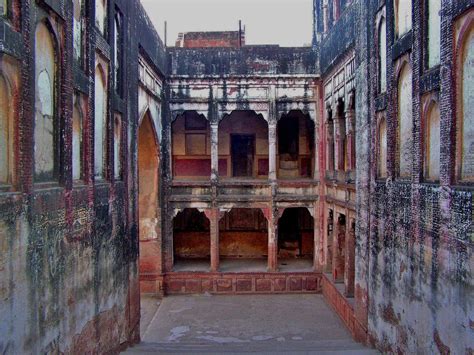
{"points": [[405, 121], [148, 180], [6, 133], [100, 120], [432, 142], [465, 100], [77, 148], [46, 130]]}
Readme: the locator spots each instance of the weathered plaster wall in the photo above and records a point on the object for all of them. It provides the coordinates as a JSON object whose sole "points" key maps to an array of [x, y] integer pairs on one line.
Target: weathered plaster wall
{"points": [[245, 61], [68, 248], [419, 234]]}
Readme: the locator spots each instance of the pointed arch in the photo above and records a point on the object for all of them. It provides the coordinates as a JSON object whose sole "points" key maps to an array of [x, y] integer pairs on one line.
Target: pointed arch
{"points": [[77, 129], [100, 120], [464, 75], [6, 132], [405, 120], [46, 130]]}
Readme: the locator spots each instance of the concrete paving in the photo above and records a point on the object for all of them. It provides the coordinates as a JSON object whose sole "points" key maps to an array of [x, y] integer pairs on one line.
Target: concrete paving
{"points": [[242, 324]]}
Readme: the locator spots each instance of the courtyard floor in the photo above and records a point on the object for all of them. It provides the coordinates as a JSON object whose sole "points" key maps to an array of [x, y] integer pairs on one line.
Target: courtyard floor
{"points": [[263, 324]]}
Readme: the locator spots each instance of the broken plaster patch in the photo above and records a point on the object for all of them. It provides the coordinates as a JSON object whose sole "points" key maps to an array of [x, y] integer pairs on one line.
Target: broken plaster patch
{"points": [[178, 332], [222, 340]]}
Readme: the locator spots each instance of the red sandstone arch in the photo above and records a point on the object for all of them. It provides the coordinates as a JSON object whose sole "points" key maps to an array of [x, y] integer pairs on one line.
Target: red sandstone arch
{"points": [[149, 215], [296, 148], [238, 130]]}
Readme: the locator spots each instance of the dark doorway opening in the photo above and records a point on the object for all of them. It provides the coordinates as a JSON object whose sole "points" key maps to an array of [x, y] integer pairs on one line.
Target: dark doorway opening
{"points": [[191, 241], [295, 239], [288, 140], [243, 151]]}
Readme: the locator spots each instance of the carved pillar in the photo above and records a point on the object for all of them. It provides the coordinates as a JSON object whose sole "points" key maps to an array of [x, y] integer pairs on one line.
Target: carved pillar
{"points": [[340, 135], [317, 254], [329, 142], [214, 151], [328, 247], [350, 129], [338, 249], [349, 275], [272, 173], [272, 216], [214, 216]]}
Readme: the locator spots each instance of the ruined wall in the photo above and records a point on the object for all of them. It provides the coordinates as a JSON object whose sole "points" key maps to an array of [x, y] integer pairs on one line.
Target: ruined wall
{"points": [[68, 244], [419, 235], [232, 39], [245, 61], [413, 203]]}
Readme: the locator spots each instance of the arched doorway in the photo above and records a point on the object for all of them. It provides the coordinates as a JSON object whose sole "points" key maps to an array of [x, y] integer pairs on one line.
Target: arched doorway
{"points": [[243, 146], [243, 241], [295, 146], [148, 206], [295, 240], [191, 241]]}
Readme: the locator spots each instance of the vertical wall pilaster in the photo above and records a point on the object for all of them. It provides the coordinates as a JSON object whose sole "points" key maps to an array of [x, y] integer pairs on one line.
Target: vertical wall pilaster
{"points": [[349, 259], [350, 129], [340, 132], [329, 142]]}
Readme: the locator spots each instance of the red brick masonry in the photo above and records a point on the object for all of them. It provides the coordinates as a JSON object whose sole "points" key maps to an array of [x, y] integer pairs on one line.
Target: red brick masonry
{"points": [[241, 283], [344, 309]]}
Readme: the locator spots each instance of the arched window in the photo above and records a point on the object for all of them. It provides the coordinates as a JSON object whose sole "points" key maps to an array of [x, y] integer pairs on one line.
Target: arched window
{"points": [[432, 143], [118, 54], [465, 122], [403, 16], [76, 140], [382, 55], [6, 133], [100, 119], [46, 130], [405, 121], [434, 32], [101, 15], [382, 148]]}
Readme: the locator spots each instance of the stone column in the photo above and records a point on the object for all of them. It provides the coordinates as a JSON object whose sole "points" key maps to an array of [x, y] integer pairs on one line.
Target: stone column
{"points": [[350, 146], [330, 145], [272, 219], [329, 242], [272, 173], [317, 251], [349, 275], [338, 245], [350, 129], [213, 215], [214, 152], [340, 133]]}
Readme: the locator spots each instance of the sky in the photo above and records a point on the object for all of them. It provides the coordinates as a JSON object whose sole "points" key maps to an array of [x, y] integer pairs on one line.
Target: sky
{"points": [[284, 22]]}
